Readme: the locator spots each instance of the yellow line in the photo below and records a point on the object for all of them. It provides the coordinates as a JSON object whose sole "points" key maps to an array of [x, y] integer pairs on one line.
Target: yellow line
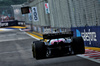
{"points": [[17, 27], [38, 33], [14, 27], [1, 30], [93, 48], [35, 35]]}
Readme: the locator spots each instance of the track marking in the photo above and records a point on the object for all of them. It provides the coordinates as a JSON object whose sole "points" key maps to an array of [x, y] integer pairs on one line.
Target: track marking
{"points": [[17, 27], [91, 55], [32, 36], [4, 29], [38, 33]]}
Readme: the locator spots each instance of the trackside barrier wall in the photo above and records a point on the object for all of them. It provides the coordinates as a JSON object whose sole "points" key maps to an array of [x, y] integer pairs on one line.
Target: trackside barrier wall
{"points": [[91, 35], [12, 23], [66, 13]]}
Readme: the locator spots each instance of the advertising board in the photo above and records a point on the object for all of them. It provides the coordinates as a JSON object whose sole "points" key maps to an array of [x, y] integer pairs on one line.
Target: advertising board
{"points": [[47, 8], [12, 23], [91, 35], [35, 14]]}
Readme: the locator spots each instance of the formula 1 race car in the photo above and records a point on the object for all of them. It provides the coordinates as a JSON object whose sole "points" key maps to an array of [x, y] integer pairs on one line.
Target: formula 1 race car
{"points": [[58, 44]]}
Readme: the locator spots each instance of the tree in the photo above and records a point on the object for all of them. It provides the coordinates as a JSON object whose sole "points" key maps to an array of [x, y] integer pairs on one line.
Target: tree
{"points": [[11, 2]]}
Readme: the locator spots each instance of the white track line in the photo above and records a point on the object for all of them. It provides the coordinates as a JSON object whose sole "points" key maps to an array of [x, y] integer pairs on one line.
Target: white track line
{"points": [[30, 35], [4, 29]]}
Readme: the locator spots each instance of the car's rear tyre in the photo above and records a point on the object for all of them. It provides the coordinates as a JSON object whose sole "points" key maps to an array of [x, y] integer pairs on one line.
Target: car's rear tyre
{"points": [[78, 45], [33, 50], [39, 50]]}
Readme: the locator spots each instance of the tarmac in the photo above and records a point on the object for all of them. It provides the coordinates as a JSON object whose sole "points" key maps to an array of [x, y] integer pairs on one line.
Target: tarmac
{"points": [[38, 35]]}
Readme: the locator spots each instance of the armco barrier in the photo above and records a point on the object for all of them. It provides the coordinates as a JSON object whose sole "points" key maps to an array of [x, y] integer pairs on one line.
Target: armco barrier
{"points": [[91, 35], [12, 23]]}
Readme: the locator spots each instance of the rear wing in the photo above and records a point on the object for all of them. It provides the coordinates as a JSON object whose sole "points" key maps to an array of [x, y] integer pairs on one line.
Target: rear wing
{"points": [[58, 35]]}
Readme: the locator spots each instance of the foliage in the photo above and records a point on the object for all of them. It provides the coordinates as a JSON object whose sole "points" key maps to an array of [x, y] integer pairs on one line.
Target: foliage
{"points": [[11, 2]]}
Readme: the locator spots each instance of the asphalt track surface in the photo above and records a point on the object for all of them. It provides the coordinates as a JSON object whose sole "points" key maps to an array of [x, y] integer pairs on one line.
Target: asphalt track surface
{"points": [[15, 50]]}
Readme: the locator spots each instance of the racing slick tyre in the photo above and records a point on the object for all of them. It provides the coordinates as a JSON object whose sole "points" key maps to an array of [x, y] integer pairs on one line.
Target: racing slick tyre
{"points": [[33, 50], [78, 45], [39, 50]]}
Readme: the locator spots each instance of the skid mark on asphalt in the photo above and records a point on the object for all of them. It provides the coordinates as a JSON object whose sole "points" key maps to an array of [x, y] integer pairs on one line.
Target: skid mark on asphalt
{"points": [[15, 51], [14, 39], [91, 55], [23, 53]]}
